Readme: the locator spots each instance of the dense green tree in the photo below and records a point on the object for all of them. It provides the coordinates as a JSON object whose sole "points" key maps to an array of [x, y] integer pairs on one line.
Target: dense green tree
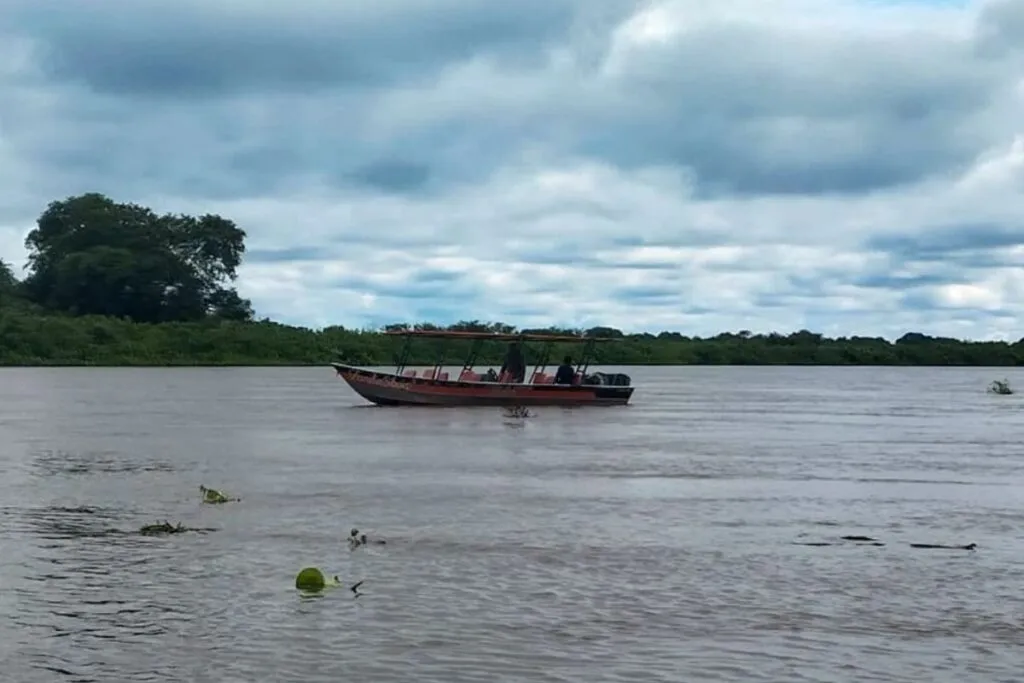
{"points": [[89, 255], [33, 337], [7, 279], [8, 284]]}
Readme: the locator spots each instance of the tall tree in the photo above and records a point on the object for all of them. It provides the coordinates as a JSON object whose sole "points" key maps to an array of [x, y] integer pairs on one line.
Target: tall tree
{"points": [[7, 279], [91, 255], [8, 283]]}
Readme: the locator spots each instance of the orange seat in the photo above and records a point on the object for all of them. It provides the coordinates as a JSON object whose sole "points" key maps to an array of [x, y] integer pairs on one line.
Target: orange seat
{"points": [[409, 373], [428, 374], [443, 376], [469, 376], [542, 378]]}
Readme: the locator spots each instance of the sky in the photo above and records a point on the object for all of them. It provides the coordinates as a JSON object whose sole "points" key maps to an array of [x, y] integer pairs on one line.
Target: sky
{"points": [[845, 166]]}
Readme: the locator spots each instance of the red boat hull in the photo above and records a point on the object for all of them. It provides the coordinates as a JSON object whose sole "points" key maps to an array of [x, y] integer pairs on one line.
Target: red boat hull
{"points": [[387, 389]]}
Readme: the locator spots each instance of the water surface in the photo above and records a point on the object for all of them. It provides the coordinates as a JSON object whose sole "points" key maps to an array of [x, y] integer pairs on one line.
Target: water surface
{"points": [[648, 543]]}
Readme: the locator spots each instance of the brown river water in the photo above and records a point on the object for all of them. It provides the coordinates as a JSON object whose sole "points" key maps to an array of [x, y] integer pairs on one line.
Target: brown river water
{"points": [[655, 542]]}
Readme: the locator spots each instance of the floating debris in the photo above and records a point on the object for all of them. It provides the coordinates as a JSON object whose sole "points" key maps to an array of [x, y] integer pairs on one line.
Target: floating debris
{"points": [[843, 540], [518, 412], [215, 497], [165, 528], [868, 540], [860, 539], [356, 540], [312, 580], [1001, 388], [941, 546]]}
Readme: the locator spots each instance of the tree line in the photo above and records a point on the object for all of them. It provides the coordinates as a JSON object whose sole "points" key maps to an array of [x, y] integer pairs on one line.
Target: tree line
{"points": [[117, 284]]}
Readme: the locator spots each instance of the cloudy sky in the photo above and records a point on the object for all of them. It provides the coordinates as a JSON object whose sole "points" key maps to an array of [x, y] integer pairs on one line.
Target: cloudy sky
{"points": [[848, 166]]}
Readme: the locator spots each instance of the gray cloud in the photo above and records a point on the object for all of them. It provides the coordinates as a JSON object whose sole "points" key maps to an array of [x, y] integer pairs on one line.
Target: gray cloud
{"points": [[898, 282], [757, 111], [393, 176], [1001, 27], [280, 255], [200, 49], [947, 242], [746, 108], [783, 168]]}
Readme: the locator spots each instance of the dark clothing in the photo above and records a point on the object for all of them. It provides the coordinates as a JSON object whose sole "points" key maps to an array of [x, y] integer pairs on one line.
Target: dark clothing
{"points": [[514, 364], [565, 375]]}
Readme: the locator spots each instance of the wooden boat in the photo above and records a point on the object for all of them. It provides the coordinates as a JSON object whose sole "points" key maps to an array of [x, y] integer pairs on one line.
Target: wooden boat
{"points": [[434, 387]]}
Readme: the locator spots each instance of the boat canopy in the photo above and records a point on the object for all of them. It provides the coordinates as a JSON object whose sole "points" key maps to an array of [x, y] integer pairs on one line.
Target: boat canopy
{"points": [[498, 336]]}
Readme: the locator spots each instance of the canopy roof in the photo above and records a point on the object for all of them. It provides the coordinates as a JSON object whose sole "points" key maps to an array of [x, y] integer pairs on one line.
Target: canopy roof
{"points": [[497, 336]]}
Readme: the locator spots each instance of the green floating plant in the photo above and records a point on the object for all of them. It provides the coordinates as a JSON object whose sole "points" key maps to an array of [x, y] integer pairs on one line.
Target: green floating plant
{"points": [[1002, 388], [215, 497], [165, 528], [312, 580]]}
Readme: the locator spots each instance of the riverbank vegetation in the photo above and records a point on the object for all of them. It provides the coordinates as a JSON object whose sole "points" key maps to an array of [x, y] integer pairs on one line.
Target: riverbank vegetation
{"points": [[117, 284]]}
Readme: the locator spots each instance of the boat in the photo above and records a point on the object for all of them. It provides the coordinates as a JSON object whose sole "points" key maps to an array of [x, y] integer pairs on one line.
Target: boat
{"points": [[434, 387]]}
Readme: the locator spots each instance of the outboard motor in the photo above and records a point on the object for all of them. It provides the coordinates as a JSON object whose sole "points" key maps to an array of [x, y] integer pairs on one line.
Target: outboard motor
{"points": [[614, 379]]}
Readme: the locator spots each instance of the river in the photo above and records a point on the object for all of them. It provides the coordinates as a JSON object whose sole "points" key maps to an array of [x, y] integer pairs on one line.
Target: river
{"points": [[656, 542]]}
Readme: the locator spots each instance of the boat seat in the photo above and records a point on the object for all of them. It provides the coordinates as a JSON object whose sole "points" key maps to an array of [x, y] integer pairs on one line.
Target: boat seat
{"points": [[542, 378], [428, 374], [409, 373], [443, 376], [578, 379], [469, 376]]}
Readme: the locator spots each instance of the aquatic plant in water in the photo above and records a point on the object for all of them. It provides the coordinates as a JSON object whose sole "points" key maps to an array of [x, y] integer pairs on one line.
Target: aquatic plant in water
{"points": [[357, 540], [868, 540], [312, 580], [519, 412], [164, 528], [1002, 388], [215, 497]]}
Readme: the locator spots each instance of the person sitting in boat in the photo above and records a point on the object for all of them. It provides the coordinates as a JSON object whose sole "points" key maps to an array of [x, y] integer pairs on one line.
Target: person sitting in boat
{"points": [[566, 372], [514, 365]]}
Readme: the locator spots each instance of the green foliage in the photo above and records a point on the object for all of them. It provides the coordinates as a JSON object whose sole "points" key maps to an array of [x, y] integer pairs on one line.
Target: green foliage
{"points": [[7, 280], [117, 284], [29, 337], [8, 284], [310, 579], [89, 255]]}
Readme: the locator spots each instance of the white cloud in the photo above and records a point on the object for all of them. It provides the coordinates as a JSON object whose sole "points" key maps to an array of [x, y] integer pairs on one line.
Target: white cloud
{"points": [[853, 167]]}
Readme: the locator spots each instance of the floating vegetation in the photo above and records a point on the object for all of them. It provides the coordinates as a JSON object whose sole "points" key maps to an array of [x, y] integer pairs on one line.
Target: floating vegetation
{"points": [[356, 540], [166, 528], [215, 497], [518, 412], [857, 540], [969, 546], [312, 580], [868, 540], [1000, 387]]}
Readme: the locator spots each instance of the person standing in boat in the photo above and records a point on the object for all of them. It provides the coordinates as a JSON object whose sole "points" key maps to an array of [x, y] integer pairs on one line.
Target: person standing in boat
{"points": [[514, 364], [566, 372]]}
